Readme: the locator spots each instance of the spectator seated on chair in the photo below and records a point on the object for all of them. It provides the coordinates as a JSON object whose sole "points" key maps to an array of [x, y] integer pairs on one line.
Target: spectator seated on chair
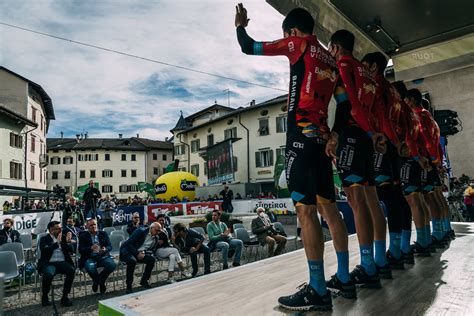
{"points": [[75, 231], [220, 238], [167, 251], [267, 234], [139, 248], [55, 259], [192, 242], [8, 234], [134, 224], [95, 247]]}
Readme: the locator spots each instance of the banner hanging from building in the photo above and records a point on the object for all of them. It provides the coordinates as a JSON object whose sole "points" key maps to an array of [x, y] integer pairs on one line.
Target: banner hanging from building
{"points": [[220, 166]]}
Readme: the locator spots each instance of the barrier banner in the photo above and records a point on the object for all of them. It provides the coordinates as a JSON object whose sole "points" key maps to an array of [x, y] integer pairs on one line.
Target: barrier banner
{"points": [[153, 210], [201, 207], [29, 223], [123, 214]]}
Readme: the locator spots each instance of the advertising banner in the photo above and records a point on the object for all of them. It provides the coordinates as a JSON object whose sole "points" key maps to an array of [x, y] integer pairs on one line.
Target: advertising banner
{"points": [[220, 166], [202, 207], [154, 210], [123, 214], [28, 223]]}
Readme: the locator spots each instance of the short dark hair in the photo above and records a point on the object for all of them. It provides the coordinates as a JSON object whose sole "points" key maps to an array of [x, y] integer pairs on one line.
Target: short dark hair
{"points": [[216, 211], [416, 95], [376, 58], [299, 18], [179, 227], [400, 87], [160, 216], [52, 224], [344, 38], [426, 104]]}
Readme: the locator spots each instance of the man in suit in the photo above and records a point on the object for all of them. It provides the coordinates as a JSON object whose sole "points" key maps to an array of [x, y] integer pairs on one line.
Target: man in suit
{"points": [[75, 231], [139, 248], [55, 259], [192, 242], [267, 234], [94, 247], [8, 234]]}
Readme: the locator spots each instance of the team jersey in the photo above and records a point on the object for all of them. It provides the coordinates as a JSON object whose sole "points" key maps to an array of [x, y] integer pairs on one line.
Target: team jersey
{"points": [[410, 131], [387, 109], [361, 90], [430, 133], [313, 80]]}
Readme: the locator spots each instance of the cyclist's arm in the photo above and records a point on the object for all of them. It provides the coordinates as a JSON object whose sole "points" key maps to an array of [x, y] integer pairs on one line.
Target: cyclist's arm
{"points": [[291, 47], [343, 108]]}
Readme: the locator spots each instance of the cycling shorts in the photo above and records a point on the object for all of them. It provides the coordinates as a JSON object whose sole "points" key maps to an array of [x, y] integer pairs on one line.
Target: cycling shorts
{"points": [[308, 170], [355, 152], [432, 180], [410, 176], [384, 165]]}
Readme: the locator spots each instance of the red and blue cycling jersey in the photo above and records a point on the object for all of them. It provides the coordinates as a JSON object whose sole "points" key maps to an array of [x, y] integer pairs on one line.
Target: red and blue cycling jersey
{"points": [[430, 133], [313, 80]]}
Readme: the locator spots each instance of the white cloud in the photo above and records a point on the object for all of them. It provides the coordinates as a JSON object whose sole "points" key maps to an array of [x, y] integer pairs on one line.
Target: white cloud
{"points": [[92, 88]]}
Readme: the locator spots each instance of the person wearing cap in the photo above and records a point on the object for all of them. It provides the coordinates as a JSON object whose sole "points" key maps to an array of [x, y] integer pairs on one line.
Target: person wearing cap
{"points": [[267, 234]]}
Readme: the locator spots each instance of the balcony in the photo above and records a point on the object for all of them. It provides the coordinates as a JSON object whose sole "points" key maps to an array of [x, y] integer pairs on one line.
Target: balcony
{"points": [[43, 160]]}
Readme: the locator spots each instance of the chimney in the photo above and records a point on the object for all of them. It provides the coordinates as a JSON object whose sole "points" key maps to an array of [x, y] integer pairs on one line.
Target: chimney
{"points": [[138, 135], [62, 135], [85, 135], [166, 139], [77, 138], [82, 136], [120, 136], [252, 103]]}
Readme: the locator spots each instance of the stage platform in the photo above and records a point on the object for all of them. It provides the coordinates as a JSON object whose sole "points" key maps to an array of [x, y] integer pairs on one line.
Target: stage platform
{"points": [[442, 284]]}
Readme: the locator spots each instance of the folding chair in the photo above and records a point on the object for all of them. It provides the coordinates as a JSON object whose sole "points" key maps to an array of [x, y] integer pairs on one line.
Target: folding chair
{"points": [[279, 227], [9, 267], [17, 248], [242, 234], [109, 230]]}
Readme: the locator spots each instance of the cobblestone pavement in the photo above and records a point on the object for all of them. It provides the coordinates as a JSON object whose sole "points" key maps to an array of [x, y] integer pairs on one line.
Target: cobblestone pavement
{"points": [[87, 303]]}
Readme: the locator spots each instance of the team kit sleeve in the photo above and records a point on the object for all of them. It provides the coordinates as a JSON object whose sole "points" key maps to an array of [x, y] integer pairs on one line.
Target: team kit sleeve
{"points": [[343, 107], [291, 47], [360, 115]]}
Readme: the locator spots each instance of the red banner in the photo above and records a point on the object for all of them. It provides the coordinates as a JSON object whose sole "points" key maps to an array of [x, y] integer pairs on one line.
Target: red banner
{"points": [[202, 207], [168, 209]]}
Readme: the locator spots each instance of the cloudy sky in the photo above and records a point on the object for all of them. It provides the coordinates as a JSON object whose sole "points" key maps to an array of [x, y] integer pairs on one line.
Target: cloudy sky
{"points": [[105, 93]]}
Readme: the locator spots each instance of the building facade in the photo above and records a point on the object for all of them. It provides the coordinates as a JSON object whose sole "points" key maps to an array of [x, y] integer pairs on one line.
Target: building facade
{"points": [[117, 165], [26, 112]]}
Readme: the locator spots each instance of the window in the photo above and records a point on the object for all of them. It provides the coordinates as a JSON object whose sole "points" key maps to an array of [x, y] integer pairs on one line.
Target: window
{"points": [[15, 170], [33, 114], [210, 140], [155, 156], [124, 173], [32, 172], [182, 169], [280, 152], [230, 133], [165, 157], [234, 162], [194, 145], [132, 188], [179, 150], [107, 173], [263, 127], [41, 176], [92, 174], [107, 188], [80, 157], [68, 160], [107, 157], [264, 158], [33, 143], [82, 174], [134, 173], [163, 171], [16, 140], [67, 175], [134, 157], [55, 160], [42, 122], [123, 188], [67, 189], [54, 175], [124, 157], [281, 124], [195, 170], [155, 171], [88, 157], [205, 168]]}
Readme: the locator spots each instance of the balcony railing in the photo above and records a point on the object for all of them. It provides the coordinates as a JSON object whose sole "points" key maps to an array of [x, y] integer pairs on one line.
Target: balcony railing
{"points": [[43, 160]]}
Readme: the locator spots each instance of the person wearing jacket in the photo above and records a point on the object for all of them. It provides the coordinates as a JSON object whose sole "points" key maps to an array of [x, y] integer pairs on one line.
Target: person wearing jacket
{"points": [[8, 234], [55, 259], [95, 247], [139, 248], [266, 234], [192, 242]]}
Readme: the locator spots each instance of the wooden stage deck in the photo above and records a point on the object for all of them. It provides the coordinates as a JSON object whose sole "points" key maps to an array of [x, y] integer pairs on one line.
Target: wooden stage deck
{"points": [[439, 285]]}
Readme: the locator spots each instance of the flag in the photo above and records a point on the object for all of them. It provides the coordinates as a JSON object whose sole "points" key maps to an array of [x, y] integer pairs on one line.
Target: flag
{"points": [[79, 194], [279, 169], [170, 167], [147, 187]]}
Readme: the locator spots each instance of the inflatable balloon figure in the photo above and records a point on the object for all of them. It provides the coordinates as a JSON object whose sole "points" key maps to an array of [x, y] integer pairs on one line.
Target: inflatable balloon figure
{"points": [[176, 185]]}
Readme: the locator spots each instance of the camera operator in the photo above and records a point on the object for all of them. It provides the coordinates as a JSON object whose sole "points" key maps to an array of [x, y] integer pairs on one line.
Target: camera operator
{"points": [[91, 195]]}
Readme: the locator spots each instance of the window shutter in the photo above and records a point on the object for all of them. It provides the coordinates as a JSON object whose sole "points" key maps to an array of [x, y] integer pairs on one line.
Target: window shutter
{"points": [[257, 159], [271, 157]]}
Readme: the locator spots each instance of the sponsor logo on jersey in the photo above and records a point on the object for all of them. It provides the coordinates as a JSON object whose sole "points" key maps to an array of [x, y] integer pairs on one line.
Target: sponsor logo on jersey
{"points": [[325, 74], [369, 88], [298, 145], [291, 47]]}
